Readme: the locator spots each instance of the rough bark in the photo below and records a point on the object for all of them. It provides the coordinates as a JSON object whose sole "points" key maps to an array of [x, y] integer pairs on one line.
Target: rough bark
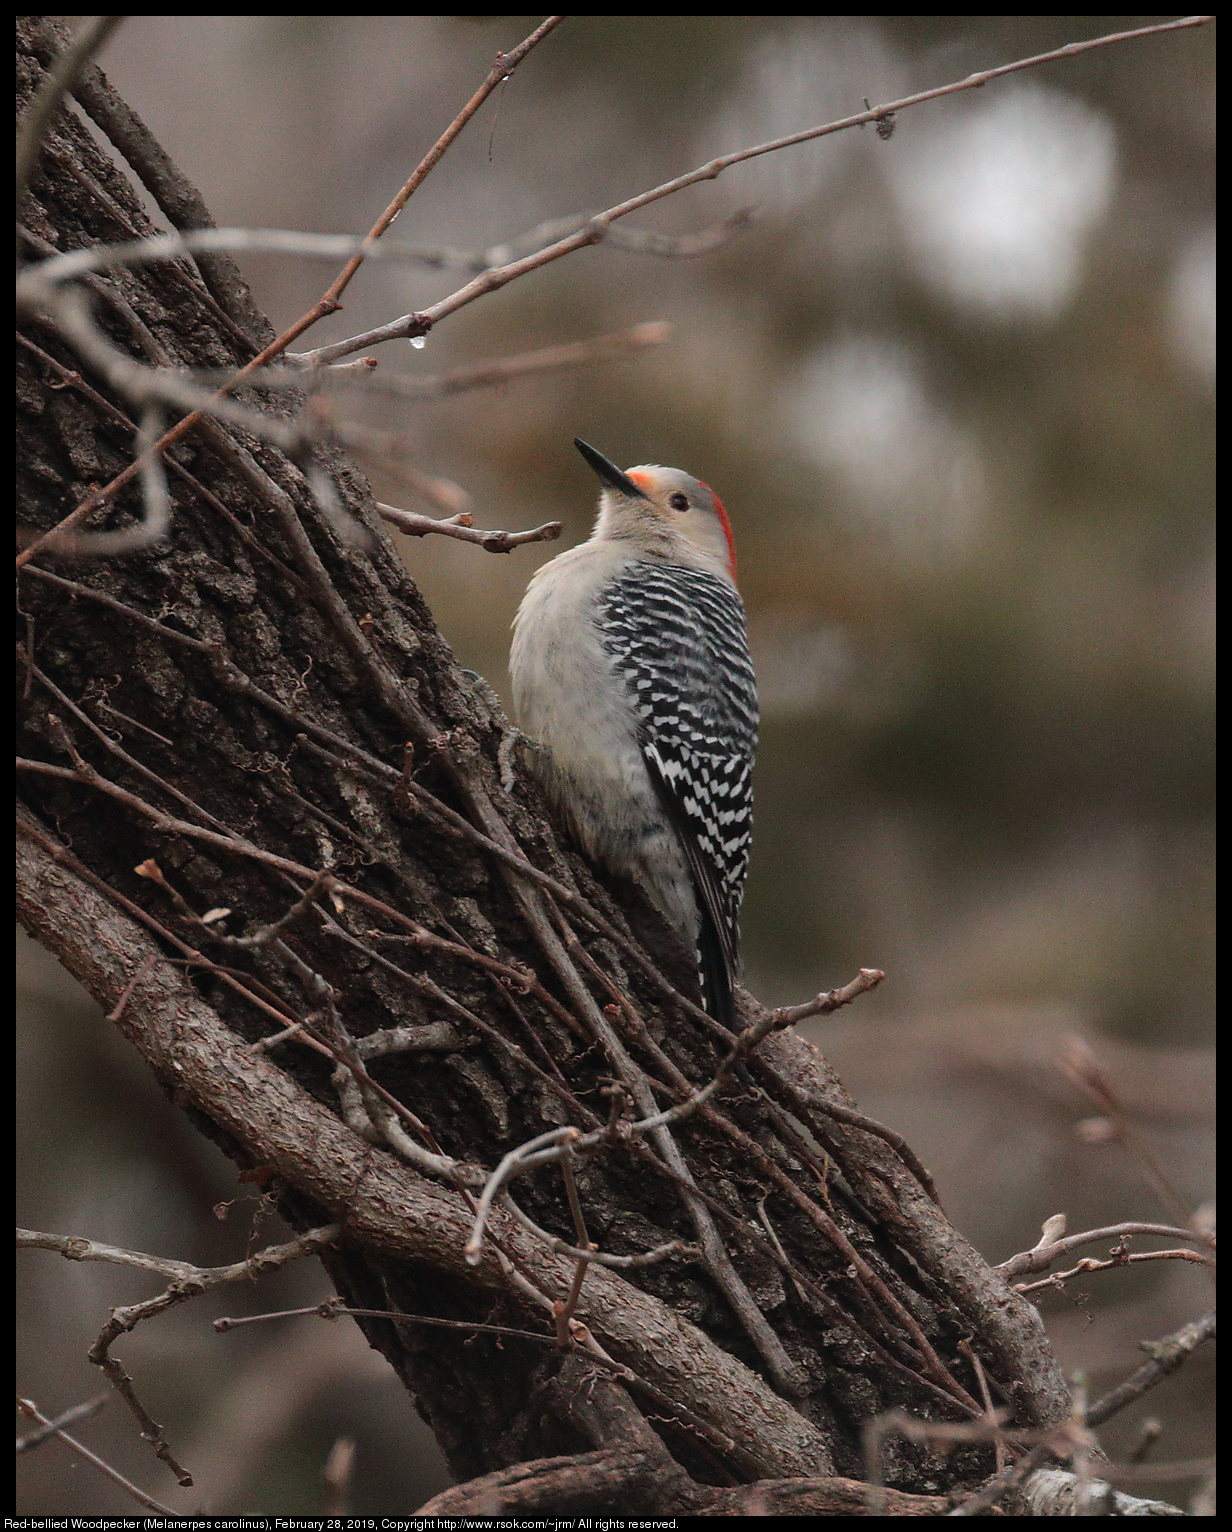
{"points": [[237, 705]]}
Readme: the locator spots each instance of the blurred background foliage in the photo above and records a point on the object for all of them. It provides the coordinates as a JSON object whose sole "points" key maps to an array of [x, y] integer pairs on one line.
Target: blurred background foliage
{"points": [[955, 388]]}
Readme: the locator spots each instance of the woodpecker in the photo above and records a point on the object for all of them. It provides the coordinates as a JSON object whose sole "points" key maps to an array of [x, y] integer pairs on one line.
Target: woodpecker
{"points": [[630, 667]]}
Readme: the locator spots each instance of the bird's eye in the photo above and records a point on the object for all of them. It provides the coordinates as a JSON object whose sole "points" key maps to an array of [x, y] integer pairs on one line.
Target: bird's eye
{"points": [[678, 501]]}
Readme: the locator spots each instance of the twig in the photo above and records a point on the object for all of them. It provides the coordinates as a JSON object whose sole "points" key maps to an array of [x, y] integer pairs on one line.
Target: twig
{"points": [[117, 417], [990, 1413], [681, 246], [500, 71], [61, 267], [141, 384], [583, 1253], [117, 1010], [32, 1412], [673, 1248], [345, 754], [826, 1003], [1166, 1356], [579, 353], [249, 989], [497, 277], [1062, 1440], [517, 1160], [643, 241], [1004, 1480], [575, 1201], [788, 1377], [339, 1467], [459, 526], [593, 231], [490, 280], [74, 1247], [226, 293], [228, 841], [187, 1281], [78, 1412], [773, 1021], [938, 1380], [869, 1283], [1054, 1242], [715, 1255], [412, 930], [148, 383], [329, 301], [335, 1308], [1121, 1257], [155, 496], [374, 1114], [1056, 1492], [1149, 1432], [553, 1081], [323, 883]]}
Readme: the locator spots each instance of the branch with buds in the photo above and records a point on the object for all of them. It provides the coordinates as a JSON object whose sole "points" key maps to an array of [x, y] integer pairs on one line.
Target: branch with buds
{"points": [[459, 526]]}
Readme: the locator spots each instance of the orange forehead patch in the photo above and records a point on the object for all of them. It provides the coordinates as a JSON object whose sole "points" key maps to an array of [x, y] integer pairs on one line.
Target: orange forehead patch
{"points": [[642, 480]]}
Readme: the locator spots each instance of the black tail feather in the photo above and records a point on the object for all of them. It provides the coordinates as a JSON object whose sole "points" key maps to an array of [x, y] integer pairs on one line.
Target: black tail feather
{"points": [[715, 974]]}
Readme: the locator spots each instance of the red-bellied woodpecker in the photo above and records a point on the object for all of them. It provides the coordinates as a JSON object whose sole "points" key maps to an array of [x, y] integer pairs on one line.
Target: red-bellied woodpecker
{"points": [[631, 668]]}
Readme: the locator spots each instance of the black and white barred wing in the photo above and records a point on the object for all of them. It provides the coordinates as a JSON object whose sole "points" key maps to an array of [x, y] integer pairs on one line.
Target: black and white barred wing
{"points": [[677, 637]]}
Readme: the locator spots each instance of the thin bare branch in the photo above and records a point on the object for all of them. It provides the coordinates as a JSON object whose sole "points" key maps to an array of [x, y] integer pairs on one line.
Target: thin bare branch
{"points": [[32, 1412], [74, 1248], [1055, 1243], [156, 497], [772, 1021], [70, 265], [643, 241], [322, 884], [142, 385], [491, 374], [1056, 1492], [716, 1257], [681, 246], [1166, 1356], [828, 1001], [517, 1160], [33, 1439], [329, 301], [501, 70], [596, 230], [187, 1282], [1121, 1257], [460, 527], [335, 1308], [673, 1248]]}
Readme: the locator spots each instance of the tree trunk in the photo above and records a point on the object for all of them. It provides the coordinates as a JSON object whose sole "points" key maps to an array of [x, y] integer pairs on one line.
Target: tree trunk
{"points": [[219, 720]]}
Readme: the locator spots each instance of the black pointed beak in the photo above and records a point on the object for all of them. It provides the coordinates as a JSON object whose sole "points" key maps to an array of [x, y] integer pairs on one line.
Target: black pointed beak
{"points": [[608, 473]]}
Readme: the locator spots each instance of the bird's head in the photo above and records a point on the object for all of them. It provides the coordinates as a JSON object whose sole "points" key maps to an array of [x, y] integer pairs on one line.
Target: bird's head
{"points": [[662, 508]]}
